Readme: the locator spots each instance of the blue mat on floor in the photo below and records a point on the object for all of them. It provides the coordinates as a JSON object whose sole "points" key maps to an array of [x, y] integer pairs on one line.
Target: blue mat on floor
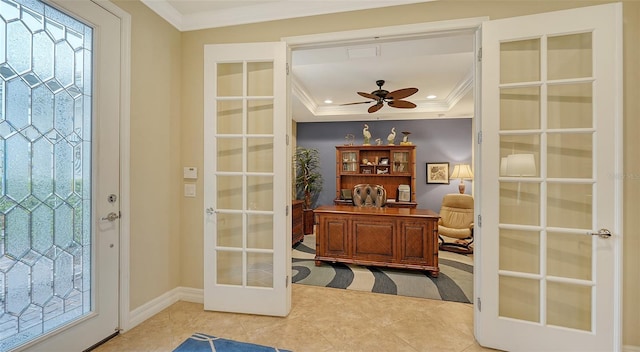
{"points": [[205, 343]]}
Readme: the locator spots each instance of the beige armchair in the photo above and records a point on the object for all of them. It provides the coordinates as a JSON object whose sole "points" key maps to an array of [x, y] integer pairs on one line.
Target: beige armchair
{"points": [[456, 223], [365, 195]]}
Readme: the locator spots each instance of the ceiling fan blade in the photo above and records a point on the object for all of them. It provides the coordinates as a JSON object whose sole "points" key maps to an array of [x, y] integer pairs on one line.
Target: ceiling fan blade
{"points": [[402, 104], [368, 95], [401, 93], [375, 108], [359, 102]]}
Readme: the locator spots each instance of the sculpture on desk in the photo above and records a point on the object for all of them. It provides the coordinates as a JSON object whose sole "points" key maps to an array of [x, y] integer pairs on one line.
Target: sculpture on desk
{"points": [[391, 138], [378, 141], [366, 134]]}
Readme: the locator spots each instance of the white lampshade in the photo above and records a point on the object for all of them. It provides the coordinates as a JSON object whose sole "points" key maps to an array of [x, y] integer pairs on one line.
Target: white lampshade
{"points": [[520, 165], [462, 171]]}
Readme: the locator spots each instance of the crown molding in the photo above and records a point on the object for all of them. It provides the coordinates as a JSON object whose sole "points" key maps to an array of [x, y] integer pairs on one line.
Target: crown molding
{"points": [[166, 11], [278, 10]]}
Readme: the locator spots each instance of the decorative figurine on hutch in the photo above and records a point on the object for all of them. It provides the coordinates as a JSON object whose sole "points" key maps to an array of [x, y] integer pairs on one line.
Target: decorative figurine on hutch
{"points": [[349, 139], [391, 138], [378, 141], [405, 138], [366, 134]]}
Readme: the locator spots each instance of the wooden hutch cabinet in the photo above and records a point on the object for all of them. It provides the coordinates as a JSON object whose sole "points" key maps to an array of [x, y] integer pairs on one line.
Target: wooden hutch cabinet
{"points": [[385, 165]]}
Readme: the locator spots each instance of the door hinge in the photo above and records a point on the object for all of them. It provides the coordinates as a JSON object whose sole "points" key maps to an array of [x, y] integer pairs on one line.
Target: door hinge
{"points": [[287, 69], [286, 210], [287, 139], [480, 137], [286, 282], [479, 304], [479, 220], [480, 54]]}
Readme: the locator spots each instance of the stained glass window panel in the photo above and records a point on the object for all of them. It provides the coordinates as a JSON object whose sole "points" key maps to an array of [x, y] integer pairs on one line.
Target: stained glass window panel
{"points": [[45, 170]]}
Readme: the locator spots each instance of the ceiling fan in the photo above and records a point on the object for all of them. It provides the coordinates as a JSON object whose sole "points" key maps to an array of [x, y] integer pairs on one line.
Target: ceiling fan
{"points": [[393, 99]]}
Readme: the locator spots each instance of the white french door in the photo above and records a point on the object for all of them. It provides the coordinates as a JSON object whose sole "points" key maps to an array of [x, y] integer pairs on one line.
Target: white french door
{"points": [[247, 186], [550, 273], [59, 139]]}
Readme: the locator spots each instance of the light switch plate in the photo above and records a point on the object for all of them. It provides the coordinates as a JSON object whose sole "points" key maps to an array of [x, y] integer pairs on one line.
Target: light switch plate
{"points": [[189, 189], [190, 172]]}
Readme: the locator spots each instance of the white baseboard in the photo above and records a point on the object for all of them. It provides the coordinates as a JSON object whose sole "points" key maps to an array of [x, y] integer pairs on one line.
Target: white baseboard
{"points": [[156, 305], [193, 295], [629, 348]]}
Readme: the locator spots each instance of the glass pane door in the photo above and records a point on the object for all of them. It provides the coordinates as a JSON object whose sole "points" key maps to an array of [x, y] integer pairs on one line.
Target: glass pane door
{"points": [[244, 171], [245, 182], [563, 132], [548, 152]]}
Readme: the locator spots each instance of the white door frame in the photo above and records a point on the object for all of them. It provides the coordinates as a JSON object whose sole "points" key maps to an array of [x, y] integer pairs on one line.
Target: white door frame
{"points": [[125, 156], [469, 25]]}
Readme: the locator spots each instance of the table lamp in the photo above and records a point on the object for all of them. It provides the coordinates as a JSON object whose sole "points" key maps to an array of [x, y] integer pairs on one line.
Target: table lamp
{"points": [[462, 171]]}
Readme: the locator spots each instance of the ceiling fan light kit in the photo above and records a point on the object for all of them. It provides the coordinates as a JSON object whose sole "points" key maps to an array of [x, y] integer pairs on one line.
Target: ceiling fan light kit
{"points": [[393, 99]]}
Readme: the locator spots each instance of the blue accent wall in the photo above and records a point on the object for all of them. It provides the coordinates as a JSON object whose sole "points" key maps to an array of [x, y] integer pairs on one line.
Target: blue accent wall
{"points": [[437, 140]]}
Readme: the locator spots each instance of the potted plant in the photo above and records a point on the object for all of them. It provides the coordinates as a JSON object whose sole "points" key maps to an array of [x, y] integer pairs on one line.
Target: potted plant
{"points": [[308, 182]]}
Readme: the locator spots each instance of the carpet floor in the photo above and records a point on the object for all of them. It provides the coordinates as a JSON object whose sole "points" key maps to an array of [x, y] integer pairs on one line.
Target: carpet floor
{"points": [[454, 283]]}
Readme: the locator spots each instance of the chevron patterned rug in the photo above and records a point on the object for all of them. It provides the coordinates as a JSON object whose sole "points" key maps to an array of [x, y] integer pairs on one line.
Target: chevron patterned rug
{"points": [[454, 283]]}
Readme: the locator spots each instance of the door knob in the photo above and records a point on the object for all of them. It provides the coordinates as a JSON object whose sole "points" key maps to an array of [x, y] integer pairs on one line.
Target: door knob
{"points": [[604, 233], [111, 216]]}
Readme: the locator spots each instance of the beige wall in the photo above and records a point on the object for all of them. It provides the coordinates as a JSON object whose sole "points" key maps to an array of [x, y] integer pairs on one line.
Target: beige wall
{"points": [[631, 137], [167, 228], [156, 175]]}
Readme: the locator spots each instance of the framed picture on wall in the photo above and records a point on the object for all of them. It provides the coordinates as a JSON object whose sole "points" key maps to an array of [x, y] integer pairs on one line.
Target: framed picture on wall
{"points": [[438, 173]]}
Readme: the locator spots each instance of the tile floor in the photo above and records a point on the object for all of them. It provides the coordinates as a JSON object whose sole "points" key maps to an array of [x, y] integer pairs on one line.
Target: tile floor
{"points": [[321, 319]]}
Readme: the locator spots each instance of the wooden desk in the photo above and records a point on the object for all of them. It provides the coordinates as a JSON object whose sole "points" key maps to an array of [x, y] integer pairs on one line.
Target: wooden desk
{"points": [[390, 237]]}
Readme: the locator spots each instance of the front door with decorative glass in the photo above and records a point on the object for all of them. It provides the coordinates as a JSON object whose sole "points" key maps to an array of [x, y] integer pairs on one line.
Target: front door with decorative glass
{"points": [[59, 162]]}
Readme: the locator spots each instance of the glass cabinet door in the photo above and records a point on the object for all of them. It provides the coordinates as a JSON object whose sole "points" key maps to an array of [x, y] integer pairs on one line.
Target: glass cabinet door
{"points": [[349, 161], [401, 162]]}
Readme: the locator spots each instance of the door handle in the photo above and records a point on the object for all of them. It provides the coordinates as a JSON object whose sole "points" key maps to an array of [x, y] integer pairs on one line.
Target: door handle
{"points": [[603, 233], [112, 216]]}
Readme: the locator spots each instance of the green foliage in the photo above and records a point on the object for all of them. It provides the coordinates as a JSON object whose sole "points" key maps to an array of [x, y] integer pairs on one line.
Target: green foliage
{"points": [[308, 176]]}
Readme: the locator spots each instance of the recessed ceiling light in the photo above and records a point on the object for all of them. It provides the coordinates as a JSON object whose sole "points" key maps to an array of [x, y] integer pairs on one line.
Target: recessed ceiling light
{"points": [[328, 101], [431, 96]]}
